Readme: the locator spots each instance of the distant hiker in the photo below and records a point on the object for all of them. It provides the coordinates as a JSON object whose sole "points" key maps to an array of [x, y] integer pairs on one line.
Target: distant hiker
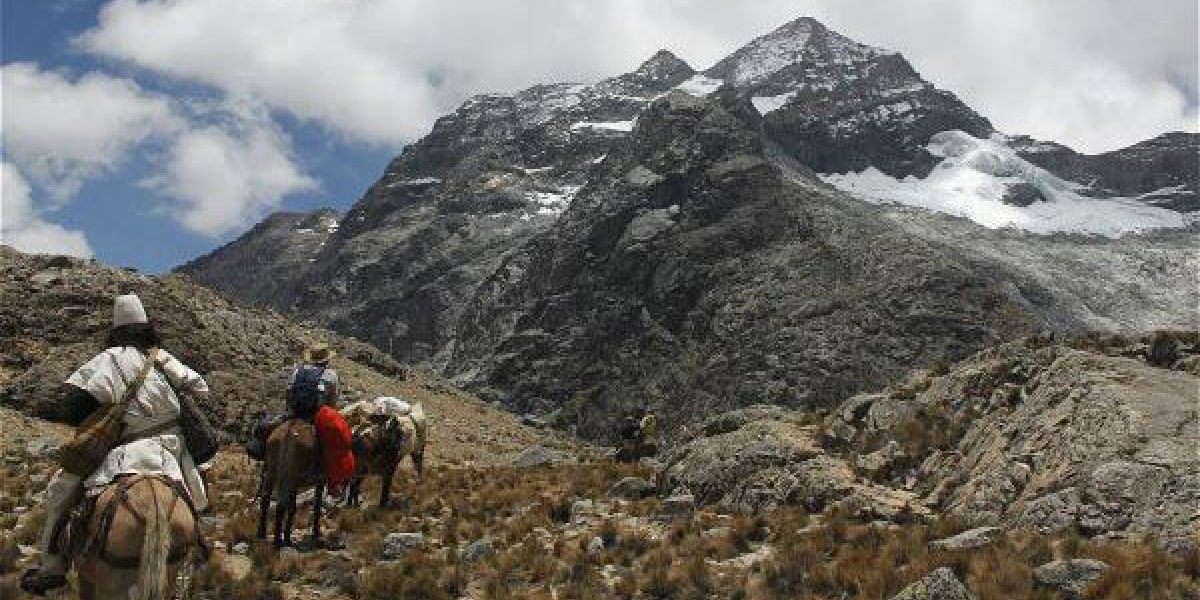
{"points": [[647, 426], [135, 377], [637, 436]]}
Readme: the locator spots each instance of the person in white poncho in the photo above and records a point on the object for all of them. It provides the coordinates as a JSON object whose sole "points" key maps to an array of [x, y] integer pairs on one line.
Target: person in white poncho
{"points": [[153, 442]]}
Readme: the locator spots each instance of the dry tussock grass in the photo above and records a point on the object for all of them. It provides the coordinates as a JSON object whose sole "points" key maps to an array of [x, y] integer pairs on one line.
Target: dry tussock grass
{"points": [[542, 550]]}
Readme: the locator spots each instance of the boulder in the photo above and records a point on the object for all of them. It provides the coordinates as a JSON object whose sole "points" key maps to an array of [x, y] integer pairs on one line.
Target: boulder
{"points": [[941, 584], [633, 488], [535, 456], [679, 505], [762, 458], [396, 545], [42, 447], [595, 546], [1070, 577], [479, 550], [969, 540]]}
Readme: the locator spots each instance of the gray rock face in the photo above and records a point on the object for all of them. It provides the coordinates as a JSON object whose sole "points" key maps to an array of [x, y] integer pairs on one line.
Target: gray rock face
{"points": [[941, 584], [1163, 167], [757, 459], [1070, 577], [396, 545], [1022, 194], [721, 307], [1055, 438], [264, 265]]}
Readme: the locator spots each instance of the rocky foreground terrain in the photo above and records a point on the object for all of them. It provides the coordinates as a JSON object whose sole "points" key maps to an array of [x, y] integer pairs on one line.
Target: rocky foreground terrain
{"points": [[1038, 469], [670, 238]]}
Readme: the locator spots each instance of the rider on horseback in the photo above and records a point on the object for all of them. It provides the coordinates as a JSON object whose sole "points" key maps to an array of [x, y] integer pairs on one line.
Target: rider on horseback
{"points": [[152, 442], [313, 383]]}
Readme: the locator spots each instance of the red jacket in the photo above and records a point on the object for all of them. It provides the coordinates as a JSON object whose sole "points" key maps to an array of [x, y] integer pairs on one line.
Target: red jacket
{"points": [[335, 436]]}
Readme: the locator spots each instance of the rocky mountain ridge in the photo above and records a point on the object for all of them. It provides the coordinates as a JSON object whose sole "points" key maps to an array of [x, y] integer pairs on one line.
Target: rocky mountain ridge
{"points": [[576, 250]]}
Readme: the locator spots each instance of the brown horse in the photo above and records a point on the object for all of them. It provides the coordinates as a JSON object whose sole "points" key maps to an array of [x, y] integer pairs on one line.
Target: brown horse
{"points": [[142, 529], [293, 462], [381, 446]]}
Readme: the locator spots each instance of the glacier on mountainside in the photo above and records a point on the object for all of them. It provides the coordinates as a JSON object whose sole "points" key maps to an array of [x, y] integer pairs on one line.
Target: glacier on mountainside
{"points": [[976, 174]]}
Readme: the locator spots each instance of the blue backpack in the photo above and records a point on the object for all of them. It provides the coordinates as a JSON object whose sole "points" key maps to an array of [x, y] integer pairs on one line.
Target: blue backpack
{"points": [[304, 397]]}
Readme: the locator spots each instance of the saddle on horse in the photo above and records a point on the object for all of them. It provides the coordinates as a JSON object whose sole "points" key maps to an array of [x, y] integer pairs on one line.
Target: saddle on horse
{"points": [[77, 538]]}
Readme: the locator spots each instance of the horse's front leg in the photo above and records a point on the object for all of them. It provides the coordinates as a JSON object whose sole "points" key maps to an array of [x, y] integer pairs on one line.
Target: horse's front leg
{"points": [[352, 491], [385, 487], [265, 490], [418, 459], [282, 527], [318, 501]]}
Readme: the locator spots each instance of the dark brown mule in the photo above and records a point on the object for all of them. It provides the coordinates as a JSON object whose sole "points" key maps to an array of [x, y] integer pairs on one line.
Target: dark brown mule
{"points": [[293, 463], [140, 533], [381, 446]]}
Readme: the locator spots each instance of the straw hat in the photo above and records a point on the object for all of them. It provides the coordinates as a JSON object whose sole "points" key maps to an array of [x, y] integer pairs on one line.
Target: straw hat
{"points": [[128, 310], [318, 352]]}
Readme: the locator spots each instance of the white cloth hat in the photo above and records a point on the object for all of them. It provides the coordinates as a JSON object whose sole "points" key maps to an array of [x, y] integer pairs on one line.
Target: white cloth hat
{"points": [[128, 309]]}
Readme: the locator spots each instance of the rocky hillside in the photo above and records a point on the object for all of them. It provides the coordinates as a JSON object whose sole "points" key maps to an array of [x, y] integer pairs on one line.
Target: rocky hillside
{"points": [[1096, 437], [865, 502], [576, 249], [55, 312]]}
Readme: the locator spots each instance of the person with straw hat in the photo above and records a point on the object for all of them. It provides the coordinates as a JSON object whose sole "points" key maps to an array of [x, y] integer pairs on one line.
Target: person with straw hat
{"points": [[132, 366], [313, 383]]}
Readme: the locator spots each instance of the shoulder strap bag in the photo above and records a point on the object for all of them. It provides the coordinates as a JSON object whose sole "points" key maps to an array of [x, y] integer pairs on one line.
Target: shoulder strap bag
{"points": [[93, 440]]}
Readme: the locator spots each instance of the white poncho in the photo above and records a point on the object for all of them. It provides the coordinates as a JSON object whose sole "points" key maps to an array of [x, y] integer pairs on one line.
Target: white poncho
{"points": [[106, 378]]}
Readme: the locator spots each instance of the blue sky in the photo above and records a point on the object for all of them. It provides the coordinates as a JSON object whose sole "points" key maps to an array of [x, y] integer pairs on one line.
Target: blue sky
{"points": [[128, 225], [148, 132]]}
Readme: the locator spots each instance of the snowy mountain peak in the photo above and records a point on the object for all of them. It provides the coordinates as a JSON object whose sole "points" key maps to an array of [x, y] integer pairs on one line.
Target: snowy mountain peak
{"points": [[660, 72], [664, 62], [802, 41]]}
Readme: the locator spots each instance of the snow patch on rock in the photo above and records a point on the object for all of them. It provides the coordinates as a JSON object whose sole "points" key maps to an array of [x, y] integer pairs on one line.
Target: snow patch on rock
{"points": [[767, 104], [621, 126], [700, 85]]}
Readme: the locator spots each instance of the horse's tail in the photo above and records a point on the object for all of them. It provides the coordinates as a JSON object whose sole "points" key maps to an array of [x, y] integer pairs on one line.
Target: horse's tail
{"points": [[156, 548]]}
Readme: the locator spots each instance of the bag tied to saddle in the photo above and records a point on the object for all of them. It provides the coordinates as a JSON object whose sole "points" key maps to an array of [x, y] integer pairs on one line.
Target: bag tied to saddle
{"points": [[82, 454], [199, 436]]}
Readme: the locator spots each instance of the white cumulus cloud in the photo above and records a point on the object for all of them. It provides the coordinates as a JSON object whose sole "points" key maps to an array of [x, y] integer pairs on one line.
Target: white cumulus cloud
{"points": [[1095, 74], [63, 132], [227, 175], [23, 228], [225, 164]]}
